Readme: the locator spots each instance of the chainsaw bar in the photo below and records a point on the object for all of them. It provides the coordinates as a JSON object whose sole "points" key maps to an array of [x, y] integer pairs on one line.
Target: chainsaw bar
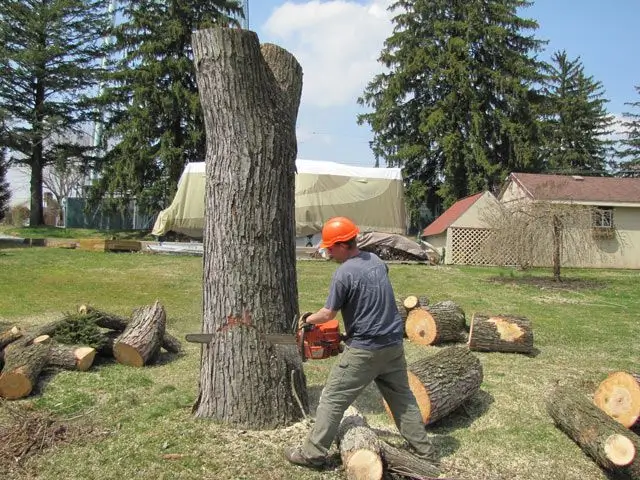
{"points": [[275, 338]]}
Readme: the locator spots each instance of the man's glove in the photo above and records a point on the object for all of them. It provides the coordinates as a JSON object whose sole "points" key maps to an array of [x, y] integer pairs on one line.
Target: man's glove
{"points": [[302, 320]]}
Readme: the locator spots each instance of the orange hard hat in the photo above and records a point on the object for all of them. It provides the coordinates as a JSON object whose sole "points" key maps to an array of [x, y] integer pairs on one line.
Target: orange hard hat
{"points": [[338, 229]]}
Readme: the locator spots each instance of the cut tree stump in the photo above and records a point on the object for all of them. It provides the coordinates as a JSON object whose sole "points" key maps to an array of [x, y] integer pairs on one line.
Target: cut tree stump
{"points": [[141, 340], [619, 397], [21, 369], [10, 335], [611, 445], [359, 447], [444, 381], [115, 322], [71, 357], [437, 323], [500, 333]]}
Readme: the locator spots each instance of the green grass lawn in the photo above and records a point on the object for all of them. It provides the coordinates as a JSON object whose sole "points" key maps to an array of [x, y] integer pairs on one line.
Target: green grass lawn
{"points": [[126, 419], [72, 233]]}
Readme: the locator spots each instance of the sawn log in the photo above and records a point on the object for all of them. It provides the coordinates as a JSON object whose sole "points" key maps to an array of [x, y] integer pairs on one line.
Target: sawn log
{"points": [[359, 447], [21, 369], [444, 381], [500, 333], [612, 446], [140, 342], [437, 323]]}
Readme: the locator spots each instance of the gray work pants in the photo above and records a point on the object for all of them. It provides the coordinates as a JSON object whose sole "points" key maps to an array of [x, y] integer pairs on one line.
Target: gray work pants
{"points": [[355, 369]]}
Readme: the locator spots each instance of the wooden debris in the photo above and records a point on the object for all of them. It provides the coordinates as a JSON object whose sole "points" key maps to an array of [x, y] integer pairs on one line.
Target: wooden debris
{"points": [[71, 357], [619, 397], [444, 381], [437, 323], [141, 340], [10, 335], [115, 322], [413, 301], [21, 369], [500, 333], [611, 445], [359, 447], [404, 463]]}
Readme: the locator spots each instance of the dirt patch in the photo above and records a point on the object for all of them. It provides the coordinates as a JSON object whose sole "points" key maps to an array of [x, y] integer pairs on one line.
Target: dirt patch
{"points": [[26, 432], [548, 283]]}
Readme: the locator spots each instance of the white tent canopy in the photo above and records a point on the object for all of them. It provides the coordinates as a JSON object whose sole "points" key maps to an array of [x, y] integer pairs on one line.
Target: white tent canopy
{"points": [[372, 197]]}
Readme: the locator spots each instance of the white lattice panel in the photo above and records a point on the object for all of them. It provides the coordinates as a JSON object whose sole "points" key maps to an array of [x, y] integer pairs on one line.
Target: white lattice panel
{"points": [[469, 247]]}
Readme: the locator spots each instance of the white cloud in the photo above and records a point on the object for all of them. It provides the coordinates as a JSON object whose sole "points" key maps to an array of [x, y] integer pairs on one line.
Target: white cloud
{"points": [[337, 43]]}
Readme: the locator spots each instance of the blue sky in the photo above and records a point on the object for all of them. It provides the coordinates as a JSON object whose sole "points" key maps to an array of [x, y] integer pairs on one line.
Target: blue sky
{"points": [[337, 43]]}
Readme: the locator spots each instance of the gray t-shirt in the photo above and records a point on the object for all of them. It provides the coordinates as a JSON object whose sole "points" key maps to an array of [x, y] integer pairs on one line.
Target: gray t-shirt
{"points": [[361, 290]]}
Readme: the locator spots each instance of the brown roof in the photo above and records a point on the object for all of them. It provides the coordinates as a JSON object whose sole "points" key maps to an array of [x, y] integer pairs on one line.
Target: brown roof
{"points": [[450, 215], [577, 188]]}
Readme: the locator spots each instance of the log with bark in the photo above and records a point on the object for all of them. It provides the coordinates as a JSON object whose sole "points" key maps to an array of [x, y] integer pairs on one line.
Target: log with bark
{"points": [[437, 323], [10, 335], [140, 342], [414, 301], [444, 381], [618, 396], [71, 357], [500, 333], [359, 447], [22, 366], [115, 322], [611, 445], [401, 462]]}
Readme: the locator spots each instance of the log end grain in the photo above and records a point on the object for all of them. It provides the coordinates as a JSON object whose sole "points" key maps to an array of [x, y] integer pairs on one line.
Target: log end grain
{"points": [[127, 355], [420, 327], [84, 358], [41, 339], [14, 385], [619, 450], [619, 397], [422, 397], [364, 465]]}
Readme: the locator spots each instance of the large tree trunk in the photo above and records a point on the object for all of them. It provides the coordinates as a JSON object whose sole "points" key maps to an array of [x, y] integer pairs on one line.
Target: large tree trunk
{"points": [[250, 97], [141, 340], [444, 381], [618, 396], [359, 447], [500, 333], [612, 446]]}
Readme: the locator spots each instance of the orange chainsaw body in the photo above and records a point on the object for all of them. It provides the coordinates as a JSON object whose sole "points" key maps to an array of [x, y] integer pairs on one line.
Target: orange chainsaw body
{"points": [[320, 341]]}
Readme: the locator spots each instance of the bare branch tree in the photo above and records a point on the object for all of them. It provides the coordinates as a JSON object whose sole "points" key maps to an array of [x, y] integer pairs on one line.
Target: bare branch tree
{"points": [[536, 233], [62, 180]]}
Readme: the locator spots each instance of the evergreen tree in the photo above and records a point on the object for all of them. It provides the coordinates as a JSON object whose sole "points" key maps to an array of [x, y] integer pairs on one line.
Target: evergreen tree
{"points": [[629, 165], [574, 119], [154, 119], [5, 193], [49, 53], [454, 109]]}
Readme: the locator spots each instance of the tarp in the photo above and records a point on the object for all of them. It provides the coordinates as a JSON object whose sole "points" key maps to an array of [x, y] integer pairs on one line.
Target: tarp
{"points": [[372, 197]]}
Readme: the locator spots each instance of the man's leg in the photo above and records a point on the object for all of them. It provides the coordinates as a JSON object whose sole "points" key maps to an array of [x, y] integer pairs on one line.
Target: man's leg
{"points": [[349, 376], [393, 383]]}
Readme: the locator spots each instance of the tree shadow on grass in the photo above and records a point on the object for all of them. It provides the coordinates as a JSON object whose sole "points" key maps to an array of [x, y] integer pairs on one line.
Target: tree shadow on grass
{"points": [[465, 415]]}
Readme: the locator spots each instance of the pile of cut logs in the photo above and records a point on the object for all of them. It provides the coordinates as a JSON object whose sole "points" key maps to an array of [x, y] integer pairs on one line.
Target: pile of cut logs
{"points": [[442, 322], [135, 341], [603, 427]]}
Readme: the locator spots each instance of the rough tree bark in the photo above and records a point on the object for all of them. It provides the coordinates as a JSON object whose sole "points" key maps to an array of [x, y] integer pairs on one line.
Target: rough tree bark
{"points": [[250, 96], [500, 333], [359, 447], [141, 340], [611, 446]]}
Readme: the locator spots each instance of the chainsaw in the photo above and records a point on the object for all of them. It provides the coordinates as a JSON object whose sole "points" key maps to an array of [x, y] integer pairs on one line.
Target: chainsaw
{"points": [[317, 342], [314, 342]]}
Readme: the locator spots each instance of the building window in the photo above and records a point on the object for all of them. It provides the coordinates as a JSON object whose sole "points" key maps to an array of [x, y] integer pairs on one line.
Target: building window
{"points": [[602, 222]]}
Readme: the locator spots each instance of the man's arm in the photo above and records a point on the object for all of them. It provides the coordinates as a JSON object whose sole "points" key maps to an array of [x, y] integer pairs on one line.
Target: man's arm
{"points": [[321, 316]]}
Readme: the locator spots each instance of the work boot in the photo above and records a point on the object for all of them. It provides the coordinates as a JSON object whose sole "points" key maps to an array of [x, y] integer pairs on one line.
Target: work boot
{"points": [[296, 456]]}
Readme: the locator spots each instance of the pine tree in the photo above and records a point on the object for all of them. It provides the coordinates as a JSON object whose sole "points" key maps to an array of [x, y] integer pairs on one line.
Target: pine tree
{"points": [[629, 165], [575, 120], [454, 109], [49, 53], [154, 118]]}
